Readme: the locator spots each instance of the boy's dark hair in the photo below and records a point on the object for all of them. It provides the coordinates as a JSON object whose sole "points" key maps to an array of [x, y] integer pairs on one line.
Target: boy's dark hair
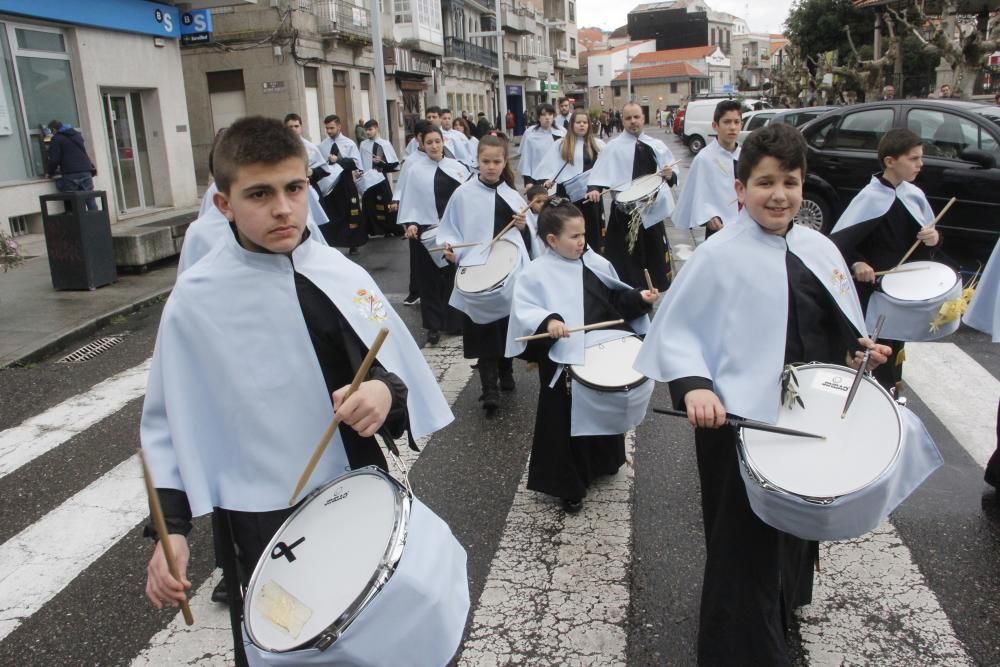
{"points": [[436, 110], [563, 99], [545, 108], [554, 215], [420, 127], [253, 140], [724, 107], [534, 191], [292, 116], [332, 118], [54, 125], [780, 141], [443, 111], [430, 128], [896, 143], [372, 123]]}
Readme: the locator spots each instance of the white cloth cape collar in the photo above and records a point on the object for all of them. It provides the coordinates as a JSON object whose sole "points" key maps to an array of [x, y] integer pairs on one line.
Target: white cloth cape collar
{"points": [[709, 189], [417, 202], [469, 217], [613, 167], [552, 284], [314, 155], [348, 148], [553, 166], [535, 144], [736, 338], [876, 198], [368, 149], [984, 309], [236, 399]]}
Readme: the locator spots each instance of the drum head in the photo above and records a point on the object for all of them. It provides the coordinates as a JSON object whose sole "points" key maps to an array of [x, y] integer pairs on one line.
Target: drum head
{"points": [[929, 281], [640, 188], [857, 449], [501, 261], [429, 237], [607, 366], [322, 560]]}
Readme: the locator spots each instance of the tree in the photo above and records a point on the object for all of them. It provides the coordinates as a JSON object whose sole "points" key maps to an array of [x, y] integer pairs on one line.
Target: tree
{"points": [[817, 26]]}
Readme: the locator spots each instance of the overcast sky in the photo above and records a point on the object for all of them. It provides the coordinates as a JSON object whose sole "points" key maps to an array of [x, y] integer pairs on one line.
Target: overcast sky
{"points": [[763, 15]]}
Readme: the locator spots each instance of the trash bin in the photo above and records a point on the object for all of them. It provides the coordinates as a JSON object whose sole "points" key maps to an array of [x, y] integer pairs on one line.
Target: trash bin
{"points": [[78, 241]]}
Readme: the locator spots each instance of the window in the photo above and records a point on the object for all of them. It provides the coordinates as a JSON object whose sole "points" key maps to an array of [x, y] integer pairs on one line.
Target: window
{"points": [[366, 81], [310, 76], [760, 120], [713, 37], [572, 46], [673, 87], [946, 134], [13, 136], [818, 137], [401, 8], [600, 70], [862, 130], [571, 12]]}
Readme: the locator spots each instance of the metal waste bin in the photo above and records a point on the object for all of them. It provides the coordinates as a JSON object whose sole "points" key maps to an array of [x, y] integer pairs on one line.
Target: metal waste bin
{"points": [[78, 241]]}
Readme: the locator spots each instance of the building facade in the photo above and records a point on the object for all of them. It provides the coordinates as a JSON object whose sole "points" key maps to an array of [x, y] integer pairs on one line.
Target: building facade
{"points": [[602, 68], [111, 69]]}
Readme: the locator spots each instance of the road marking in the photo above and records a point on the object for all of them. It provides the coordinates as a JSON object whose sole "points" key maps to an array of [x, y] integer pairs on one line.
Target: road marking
{"points": [[43, 558], [872, 607], [959, 391], [209, 642], [558, 588], [21, 444]]}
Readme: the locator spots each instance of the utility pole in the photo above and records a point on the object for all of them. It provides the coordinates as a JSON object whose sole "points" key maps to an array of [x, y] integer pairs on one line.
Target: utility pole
{"points": [[381, 103], [628, 71], [501, 86]]}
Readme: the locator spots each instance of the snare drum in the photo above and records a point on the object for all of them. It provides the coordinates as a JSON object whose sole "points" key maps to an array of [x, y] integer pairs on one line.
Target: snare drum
{"points": [[429, 238], [362, 573], [843, 486], [485, 292], [912, 299], [640, 193], [608, 396]]}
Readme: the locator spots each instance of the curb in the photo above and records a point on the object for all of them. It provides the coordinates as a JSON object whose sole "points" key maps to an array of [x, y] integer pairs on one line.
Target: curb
{"points": [[63, 338]]}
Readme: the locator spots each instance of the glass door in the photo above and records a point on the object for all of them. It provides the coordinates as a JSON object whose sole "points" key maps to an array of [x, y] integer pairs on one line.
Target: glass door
{"points": [[129, 157]]}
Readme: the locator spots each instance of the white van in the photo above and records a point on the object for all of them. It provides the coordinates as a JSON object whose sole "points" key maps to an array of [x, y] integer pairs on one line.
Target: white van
{"points": [[698, 130]]}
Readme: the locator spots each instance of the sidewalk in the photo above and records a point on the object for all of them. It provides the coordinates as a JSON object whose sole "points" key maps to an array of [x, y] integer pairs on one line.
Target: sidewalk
{"points": [[36, 320]]}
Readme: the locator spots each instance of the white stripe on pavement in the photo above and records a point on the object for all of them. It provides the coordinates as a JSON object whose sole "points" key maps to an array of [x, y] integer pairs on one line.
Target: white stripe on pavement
{"points": [[43, 558], [959, 391], [35, 436], [208, 643], [558, 588]]}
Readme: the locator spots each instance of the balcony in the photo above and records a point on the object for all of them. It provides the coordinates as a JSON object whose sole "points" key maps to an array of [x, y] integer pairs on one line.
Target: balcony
{"points": [[517, 19], [544, 63], [338, 16], [473, 53]]}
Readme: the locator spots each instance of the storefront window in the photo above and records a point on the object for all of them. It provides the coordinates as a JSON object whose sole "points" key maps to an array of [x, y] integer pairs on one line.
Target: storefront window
{"points": [[13, 138]]}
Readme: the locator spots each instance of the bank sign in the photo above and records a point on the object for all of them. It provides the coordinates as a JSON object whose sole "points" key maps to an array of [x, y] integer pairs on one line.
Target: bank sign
{"points": [[136, 16]]}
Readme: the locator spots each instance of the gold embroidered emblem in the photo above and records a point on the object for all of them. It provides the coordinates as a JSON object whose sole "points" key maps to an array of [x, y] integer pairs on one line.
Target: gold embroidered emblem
{"points": [[369, 305], [841, 282]]}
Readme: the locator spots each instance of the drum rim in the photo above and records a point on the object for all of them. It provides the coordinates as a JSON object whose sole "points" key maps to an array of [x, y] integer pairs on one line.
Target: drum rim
{"points": [[383, 571], [958, 279], [432, 228], [754, 473], [610, 389], [494, 286]]}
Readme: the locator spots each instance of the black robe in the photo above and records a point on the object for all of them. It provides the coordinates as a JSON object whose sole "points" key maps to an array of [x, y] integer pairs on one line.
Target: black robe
{"points": [[346, 228], [593, 213], [561, 465], [434, 283], [240, 537], [379, 220], [881, 243], [651, 249], [755, 575], [488, 341]]}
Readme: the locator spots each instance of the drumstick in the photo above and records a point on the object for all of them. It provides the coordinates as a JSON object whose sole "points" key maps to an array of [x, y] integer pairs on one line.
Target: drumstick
{"points": [[887, 272], [930, 226], [587, 327], [442, 248], [321, 447], [739, 422], [649, 281], [161, 530], [509, 225], [861, 368]]}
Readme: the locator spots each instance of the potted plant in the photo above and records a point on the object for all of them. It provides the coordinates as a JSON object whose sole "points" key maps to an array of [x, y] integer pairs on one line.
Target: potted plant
{"points": [[10, 252]]}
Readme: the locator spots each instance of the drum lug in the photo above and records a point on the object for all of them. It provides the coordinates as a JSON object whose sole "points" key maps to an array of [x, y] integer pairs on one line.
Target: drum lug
{"points": [[326, 640], [900, 401]]}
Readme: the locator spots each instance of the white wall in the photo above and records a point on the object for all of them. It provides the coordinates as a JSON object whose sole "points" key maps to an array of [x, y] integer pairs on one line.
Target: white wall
{"points": [[614, 63]]}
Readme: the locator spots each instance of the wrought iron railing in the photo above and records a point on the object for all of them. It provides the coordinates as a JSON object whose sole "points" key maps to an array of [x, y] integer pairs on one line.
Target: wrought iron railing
{"points": [[342, 16], [458, 48]]}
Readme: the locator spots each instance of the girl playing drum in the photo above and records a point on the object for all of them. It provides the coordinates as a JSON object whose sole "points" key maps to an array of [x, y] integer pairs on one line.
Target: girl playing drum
{"points": [[568, 286]]}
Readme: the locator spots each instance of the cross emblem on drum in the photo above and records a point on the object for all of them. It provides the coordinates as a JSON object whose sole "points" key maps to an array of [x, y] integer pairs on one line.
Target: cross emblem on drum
{"points": [[281, 549]]}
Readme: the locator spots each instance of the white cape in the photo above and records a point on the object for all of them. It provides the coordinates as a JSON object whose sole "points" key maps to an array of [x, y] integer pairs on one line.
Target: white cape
{"points": [[368, 149], [613, 169], [314, 156], [236, 400], [416, 192], [535, 144], [876, 198], [347, 148], [736, 338], [709, 190], [552, 284], [984, 309], [558, 170]]}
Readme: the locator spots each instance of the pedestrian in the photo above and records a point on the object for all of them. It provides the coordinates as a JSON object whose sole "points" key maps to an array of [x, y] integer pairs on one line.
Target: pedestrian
{"points": [[346, 228], [888, 92], [69, 163], [628, 156], [464, 127], [458, 142], [568, 286], [482, 126], [279, 337], [709, 197], [359, 132], [378, 157], [430, 182], [880, 224], [773, 276], [509, 122], [479, 210], [659, 118], [562, 118], [945, 91], [536, 142]]}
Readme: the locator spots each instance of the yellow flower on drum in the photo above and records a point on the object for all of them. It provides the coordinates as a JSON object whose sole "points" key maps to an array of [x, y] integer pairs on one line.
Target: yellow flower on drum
{"points": [[369, 305], [841, 281]]}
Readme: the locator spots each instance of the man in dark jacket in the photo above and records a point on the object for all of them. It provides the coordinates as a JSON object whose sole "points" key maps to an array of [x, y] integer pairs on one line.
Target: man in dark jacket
{"points": [[68, 156], [482, 126]]}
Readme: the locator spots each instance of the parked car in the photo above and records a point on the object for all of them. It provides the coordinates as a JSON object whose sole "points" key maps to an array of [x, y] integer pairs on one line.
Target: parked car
{"points": [[678, 127], [961, 149], [799, 117], [697, 127], [754, 119]]}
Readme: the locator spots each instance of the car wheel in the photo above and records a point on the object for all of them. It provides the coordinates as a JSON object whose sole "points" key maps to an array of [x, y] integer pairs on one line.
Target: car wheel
{"points": [[814, 214], [695, 144]]}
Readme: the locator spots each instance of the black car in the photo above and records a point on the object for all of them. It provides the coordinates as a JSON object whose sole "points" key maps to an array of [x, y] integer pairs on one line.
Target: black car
{"points": [[961, 149]]}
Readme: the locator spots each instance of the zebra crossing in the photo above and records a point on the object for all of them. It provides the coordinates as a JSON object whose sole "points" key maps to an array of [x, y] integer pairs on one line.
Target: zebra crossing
{"points": [[559, 589]]}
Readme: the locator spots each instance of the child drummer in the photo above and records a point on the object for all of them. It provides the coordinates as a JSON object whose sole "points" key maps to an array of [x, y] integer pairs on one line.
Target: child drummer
{"points": [[256, 348], [882, 222], [570, 285], [785, 289]]}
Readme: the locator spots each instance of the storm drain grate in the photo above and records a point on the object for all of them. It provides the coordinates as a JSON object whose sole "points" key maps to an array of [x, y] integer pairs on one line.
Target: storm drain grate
{"points": [[91, 349]]}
